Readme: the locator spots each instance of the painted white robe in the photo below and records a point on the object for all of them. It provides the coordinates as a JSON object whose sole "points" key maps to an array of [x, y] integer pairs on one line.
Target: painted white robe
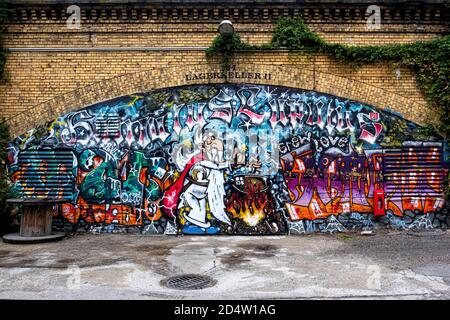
{"points": [[195, 196]]}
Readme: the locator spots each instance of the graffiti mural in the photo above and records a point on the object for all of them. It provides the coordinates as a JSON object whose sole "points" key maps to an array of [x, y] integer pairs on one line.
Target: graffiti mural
{"points": [[232, 159]]}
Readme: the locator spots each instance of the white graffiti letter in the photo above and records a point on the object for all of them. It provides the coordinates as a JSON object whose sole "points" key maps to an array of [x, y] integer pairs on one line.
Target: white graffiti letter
{"points": [[74, 20], [374, 20], [221, 106]]}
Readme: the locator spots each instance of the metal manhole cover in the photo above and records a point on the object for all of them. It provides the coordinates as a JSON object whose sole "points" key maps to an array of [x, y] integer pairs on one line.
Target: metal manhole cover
{"points": [[188, 282]]}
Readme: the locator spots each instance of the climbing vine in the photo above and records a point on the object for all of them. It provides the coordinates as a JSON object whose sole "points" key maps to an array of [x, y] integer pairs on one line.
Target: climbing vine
{"points": [[227, 46], [430, 60], [5, 217]]}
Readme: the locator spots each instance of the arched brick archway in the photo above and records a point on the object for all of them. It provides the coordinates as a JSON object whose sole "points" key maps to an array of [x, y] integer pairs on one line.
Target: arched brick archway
{"points": [[234, 158], [172, 76]]}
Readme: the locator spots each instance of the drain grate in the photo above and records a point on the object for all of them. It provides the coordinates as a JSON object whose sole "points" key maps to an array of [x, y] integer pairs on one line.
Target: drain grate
{"points": [[188, 282]]}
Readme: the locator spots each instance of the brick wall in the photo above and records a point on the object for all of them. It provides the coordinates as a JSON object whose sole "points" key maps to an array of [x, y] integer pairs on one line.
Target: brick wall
{"points": [[52, 70]]}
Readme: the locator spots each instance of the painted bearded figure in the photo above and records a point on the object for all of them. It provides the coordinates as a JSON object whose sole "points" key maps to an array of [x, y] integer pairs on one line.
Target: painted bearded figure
{"points": [[200, 185], [206, 185]]}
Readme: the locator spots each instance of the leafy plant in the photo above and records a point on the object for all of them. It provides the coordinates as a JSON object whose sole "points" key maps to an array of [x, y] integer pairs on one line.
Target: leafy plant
{"points": [[226, 46], [5, 190], [4, 180], [293, 34]]}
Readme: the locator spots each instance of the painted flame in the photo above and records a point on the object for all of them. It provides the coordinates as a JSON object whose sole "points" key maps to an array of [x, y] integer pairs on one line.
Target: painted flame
{"points": [[251, 212]]}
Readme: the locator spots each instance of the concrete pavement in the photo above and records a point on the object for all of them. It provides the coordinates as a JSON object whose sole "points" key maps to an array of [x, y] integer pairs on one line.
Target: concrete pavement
{"points": [[125, 266]]}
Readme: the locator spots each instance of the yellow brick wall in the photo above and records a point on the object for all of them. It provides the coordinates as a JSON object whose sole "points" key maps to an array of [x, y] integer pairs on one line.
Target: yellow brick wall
{"points": [[43, 85]]}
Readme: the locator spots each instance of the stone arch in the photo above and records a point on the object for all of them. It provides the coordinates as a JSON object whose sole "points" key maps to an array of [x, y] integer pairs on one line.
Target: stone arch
{"points": [[174, 75]]}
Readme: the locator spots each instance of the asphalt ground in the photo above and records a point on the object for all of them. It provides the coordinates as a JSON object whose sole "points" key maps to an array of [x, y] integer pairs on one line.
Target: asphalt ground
{"points": [[386, 265]]}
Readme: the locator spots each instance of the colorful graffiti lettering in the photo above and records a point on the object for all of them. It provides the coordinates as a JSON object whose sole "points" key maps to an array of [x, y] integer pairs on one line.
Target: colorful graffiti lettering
{"points": [[231, 159]]}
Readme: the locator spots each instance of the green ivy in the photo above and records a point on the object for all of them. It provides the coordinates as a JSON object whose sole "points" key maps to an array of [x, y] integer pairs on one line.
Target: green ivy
{"points": [[227, 46], [430, 60], [5, 217]]}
